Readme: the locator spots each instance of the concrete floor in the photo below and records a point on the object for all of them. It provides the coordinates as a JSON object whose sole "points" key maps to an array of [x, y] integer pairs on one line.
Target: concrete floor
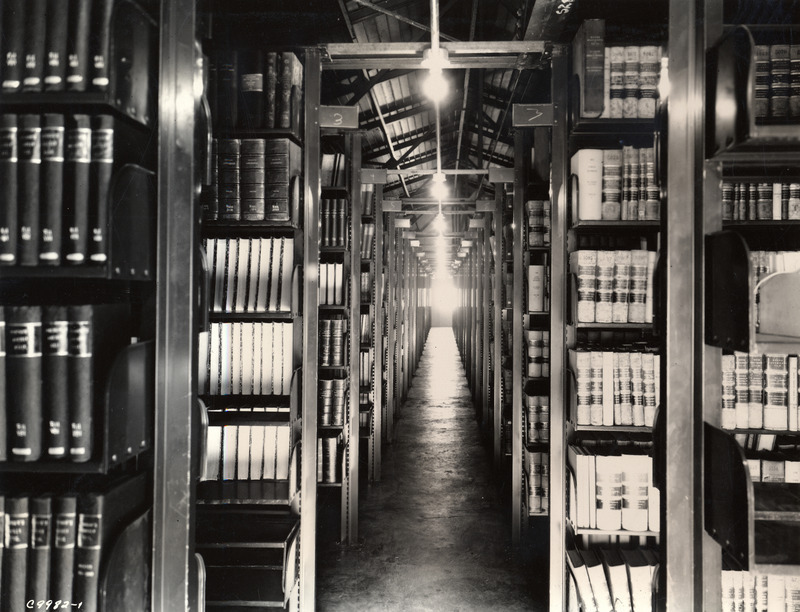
{"points": [[433, 533]]}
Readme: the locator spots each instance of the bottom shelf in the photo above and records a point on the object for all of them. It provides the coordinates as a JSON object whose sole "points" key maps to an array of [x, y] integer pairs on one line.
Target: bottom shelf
{"points": [[236, 587], [257, 492]]}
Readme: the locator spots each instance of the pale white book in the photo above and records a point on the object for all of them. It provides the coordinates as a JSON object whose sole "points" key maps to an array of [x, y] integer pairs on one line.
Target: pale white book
{"points": [[264, 262], [587, 168], [776, 593], [277, 358], [577, 568], [236, 358], [649, 290], [536, 283], [654, 510], [242, 272], [792, 399], [603, 308], [640, 579], [596, 415], [214, 348], [608, 388], [617, 578], [203, 363], [282, 451], [275, 273], [230, 435], [597, 577], [256, 452], [608, 478], [636, 485], [267, 355], [338, 283], [247, 358], [287, 364], [637, 390], [226, 354], [243, 453], [591, 472], [213, 453], [220, 262], [581, 501], [287, 272], [625, 406], [230, 272], [270, 451], [258, 357], [253, 274]]}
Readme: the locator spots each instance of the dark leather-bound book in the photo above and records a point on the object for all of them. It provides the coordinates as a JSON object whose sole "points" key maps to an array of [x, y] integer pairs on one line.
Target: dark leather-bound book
{"points": [[77, 157], [65, 522], [251, 88], [55, 381], [99, 44], [15, 554], [52, 192], [24, 367], [13, 44], [29, 169], [9, 156], [81, 382], [41, 525], [100, 170], [80, 17], [34, 45], [55, 64]]}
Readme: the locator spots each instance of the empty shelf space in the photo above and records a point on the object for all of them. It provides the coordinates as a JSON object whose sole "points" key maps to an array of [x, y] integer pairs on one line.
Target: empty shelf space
{"points": [[256, 492]]}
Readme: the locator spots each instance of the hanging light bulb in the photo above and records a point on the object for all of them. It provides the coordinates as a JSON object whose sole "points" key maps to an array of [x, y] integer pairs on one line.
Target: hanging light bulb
{"points": [[439, 222], [439, 187], [434, 85]]}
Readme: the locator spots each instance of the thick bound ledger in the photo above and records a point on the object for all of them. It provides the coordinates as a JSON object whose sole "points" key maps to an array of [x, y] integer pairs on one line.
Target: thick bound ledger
{"points": [[55, 381], [55, 65], [100, 170], [227, 90], [3, 408], [52, 182], [76, 187], [63, 549], [24, 367], [251, 88], [81, 380], [588, 57], [34, 46], [270, 88], [39, 552], [80, 16], [13, 44], [15, 554], [291, 75], [30, 163]]}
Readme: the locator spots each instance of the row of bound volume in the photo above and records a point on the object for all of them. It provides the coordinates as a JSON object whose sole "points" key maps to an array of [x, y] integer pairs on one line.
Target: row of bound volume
{"points": [[537, 470], [616, 387], [774, 469], [253, 89], [55, 544], [333, 222], [618, 579], [56, 45], [760, 201], [760, 392], [55, 176], [247, 359], [247, 452], [50, 397], [250, 274], [753, 592], [612, 492]]}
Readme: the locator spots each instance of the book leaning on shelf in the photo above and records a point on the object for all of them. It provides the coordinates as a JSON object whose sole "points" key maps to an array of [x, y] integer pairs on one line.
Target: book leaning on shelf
{"points": [[244, 358], [251, 274], [247, 452]]}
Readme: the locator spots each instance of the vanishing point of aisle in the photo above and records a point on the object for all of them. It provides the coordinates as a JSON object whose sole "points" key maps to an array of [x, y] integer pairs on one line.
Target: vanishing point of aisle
{"points": [[433, 533]]}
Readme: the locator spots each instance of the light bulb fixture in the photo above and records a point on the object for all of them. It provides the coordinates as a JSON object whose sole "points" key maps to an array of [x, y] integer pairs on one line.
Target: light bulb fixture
{"points": [[439, 187], [439, 223], [434, 85]]}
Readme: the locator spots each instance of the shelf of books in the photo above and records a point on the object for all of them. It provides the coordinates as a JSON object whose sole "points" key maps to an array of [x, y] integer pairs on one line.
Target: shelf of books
{"points": [[609, 236], [252, 356], [751, 434], [370, 403], [77, 279], [340, 337]]}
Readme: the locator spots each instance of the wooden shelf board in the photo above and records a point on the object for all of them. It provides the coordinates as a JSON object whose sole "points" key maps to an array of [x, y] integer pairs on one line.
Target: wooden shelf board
{"points": [[613, 326], [252, 316], [600, 225], [262, 133], [52, 467], [615, 532], [614, 428], [248, 418], [225, 228], [334, 190], [54, 272], [612, 127]]}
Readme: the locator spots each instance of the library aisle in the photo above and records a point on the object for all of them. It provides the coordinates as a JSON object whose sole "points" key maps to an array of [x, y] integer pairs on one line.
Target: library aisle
{"points": [[433, 533]]}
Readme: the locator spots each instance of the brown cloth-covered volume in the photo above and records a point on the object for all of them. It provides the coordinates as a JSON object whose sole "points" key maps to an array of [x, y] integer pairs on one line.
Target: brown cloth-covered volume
{"points": [[8, 188], [34, 46], [81, 380], [13, 49], [24, 367], [80, 16], [65, 520], [99, 44], [41, 524]]}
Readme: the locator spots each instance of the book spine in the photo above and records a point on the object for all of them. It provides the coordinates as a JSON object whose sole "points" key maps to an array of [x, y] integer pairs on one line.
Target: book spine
{"points": [[630, 103], [55, 65], [592, 77], [251, 89], [728, 393], [15, 554], [779, 73], [637, 391], [583, 378], [80, 16], [99, 44], [34, 45], [4, 421], [622, 280], [792, 388], [227, 95], [81, 389], [605, 286], [638, 292], [14, 14], [587, 165], [230, 180], [55, 359], [270, 89], [650, 399], [39, 549], [9, 216], [776, 392], [755, 383], [24, 367], [63, 547], [52, 181], [586, 273], [794, 81], [88, 544], [611, 207], [283, 115], [596, 410], [625, 389], [649, 69], [100, 169], [77, 160], [30, 163]]}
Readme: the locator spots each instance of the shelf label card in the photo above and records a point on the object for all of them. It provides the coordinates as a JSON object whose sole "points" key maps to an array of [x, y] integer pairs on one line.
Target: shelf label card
{"points": [[532, 115], [344, 117]]}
